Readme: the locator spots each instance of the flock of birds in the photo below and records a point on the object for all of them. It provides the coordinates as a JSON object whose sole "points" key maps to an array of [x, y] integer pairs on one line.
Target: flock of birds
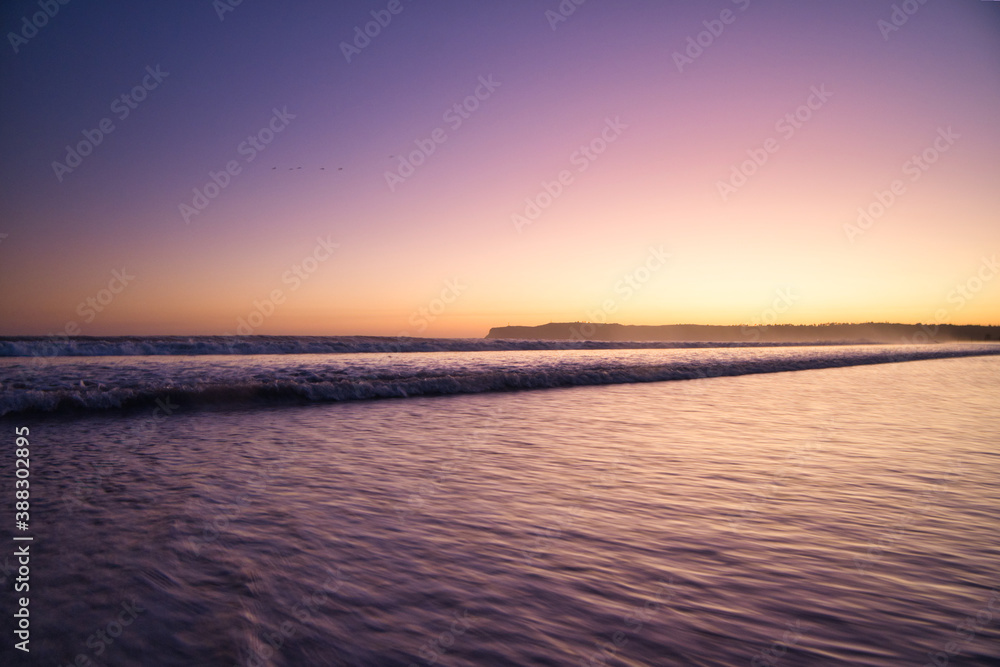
{"points": [[321, 168]]}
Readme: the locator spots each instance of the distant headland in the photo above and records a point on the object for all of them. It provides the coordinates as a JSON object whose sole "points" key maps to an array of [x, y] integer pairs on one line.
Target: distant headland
{"points": [[868, 332]]}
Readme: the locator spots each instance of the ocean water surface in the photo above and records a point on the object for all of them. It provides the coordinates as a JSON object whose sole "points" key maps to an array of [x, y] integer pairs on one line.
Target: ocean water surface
{"points": [[262, 510]]}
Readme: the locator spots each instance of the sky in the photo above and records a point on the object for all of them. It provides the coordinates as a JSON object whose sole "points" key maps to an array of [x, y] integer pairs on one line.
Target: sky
{"points": [[437, 168]]}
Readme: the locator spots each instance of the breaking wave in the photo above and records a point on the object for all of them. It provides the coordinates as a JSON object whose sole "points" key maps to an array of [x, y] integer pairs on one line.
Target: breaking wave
{"points": [[56, 386]]}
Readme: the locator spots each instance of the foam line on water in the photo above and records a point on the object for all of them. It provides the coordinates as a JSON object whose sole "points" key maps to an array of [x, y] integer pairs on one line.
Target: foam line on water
{"points": [[331, 384]]}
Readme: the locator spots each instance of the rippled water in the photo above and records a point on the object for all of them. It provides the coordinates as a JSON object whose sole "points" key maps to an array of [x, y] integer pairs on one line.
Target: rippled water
{"points": [[840, 515]]}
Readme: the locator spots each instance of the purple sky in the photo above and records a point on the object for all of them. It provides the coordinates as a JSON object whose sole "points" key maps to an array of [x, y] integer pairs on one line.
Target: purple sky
{"points": [[354, 243]]}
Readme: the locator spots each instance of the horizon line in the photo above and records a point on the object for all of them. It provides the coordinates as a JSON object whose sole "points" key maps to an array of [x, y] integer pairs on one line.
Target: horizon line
{"points": [[58, 336]]}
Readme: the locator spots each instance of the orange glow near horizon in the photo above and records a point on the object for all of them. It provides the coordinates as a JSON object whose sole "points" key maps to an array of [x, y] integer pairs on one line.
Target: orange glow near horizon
{"points": [[455, 248]]}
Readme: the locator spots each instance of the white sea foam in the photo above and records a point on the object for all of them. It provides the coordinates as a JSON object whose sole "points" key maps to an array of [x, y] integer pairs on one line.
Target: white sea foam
{"points": [[99, 383]]}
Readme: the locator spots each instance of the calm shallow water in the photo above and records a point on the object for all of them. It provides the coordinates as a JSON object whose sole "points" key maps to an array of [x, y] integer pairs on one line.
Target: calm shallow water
{"points": [[826, 516]]}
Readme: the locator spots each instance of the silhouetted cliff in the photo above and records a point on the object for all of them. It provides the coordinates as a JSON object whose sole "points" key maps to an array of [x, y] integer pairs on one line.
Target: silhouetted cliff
{"points": [[870, 332]]}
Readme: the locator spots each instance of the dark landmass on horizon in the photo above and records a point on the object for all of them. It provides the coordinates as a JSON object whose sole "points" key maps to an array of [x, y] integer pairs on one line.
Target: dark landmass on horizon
{"points": [[869, 332]]}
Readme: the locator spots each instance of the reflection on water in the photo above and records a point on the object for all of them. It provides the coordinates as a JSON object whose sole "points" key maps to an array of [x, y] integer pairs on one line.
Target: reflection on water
{"points": [[838, 515]]}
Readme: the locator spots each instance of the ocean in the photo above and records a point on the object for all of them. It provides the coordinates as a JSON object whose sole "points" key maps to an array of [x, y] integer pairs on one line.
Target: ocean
{"points": [[349, 501]]}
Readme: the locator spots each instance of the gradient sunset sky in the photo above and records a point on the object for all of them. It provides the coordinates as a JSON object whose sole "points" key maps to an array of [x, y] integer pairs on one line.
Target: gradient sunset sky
{"points": [[442, 251]]}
